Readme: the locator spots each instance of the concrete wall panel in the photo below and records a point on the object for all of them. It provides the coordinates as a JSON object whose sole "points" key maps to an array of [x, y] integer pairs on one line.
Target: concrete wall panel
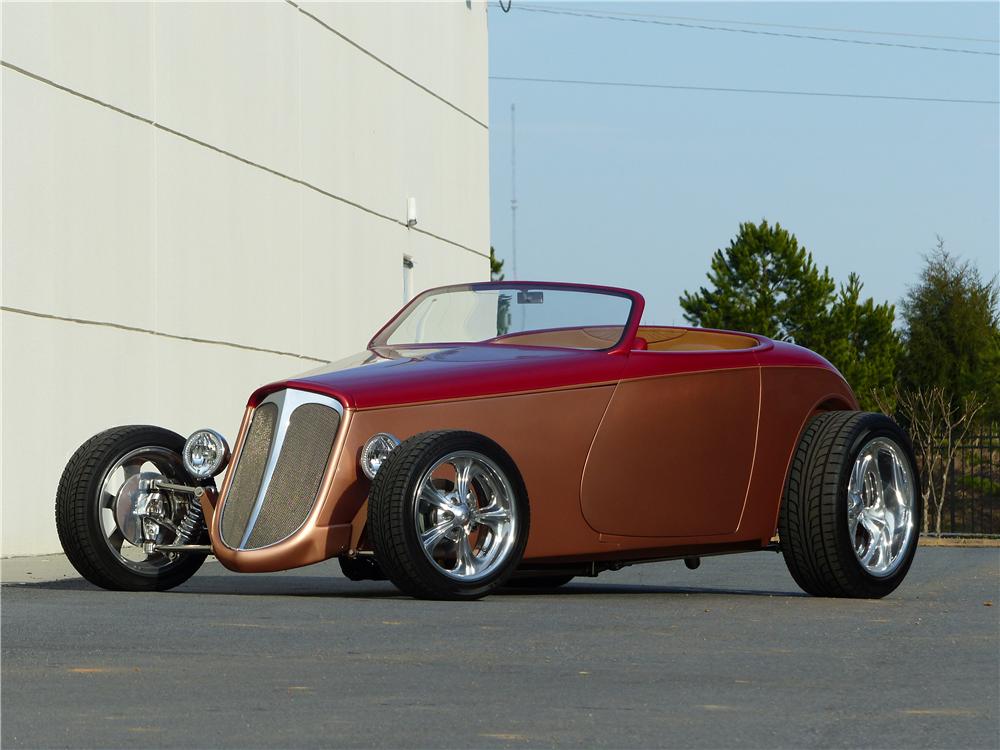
{"points": [[77, 206], [64, 382], [122, 240], [102, 49], [351, 275], [374, 151], [450, 61], [228, 74], [227, 248]]}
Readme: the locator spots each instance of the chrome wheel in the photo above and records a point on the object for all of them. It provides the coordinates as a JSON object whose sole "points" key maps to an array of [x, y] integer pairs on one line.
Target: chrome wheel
{"points": [[881, 498], [124, 507], [466, 516]]}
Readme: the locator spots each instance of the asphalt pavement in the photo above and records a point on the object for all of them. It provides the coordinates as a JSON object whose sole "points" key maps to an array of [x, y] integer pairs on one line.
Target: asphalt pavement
{"points": [[729, 655]]}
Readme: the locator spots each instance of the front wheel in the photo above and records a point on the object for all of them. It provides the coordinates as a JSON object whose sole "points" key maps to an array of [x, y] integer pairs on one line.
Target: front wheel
{"points": [[850, 517], [104, 516], [448, 516]]}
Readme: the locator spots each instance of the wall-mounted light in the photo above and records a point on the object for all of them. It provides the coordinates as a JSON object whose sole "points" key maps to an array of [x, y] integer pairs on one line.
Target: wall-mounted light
{"points": [[411, 212]]}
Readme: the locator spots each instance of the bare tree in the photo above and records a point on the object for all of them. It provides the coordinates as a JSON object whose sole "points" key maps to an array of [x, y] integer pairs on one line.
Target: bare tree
{"points": [[937, 428]]}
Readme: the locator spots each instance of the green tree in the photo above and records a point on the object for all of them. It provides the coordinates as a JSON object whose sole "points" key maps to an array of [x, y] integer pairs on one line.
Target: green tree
{"points": [[765, 282], [952, 332], [861, 341]]}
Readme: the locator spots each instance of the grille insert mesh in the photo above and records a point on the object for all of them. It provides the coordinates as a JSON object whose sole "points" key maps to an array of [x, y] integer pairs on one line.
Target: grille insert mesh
{"points": [[297, 474], [249, 472]]}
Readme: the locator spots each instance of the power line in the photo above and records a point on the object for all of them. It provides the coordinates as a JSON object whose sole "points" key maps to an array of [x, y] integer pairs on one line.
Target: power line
{"points": [[834, 29], [758, 32], [733, 90]]}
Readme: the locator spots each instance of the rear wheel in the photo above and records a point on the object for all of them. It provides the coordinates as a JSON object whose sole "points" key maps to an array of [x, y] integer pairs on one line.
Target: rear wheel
{"points": [[96, 506], [850, 517], [448, 516]]}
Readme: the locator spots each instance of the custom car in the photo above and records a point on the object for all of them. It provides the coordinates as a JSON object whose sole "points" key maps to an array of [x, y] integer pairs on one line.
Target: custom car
{"points": [[513, 434]]}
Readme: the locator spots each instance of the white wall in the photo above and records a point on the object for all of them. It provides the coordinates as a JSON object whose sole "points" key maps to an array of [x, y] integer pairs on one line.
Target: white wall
{"points": [[202, 197]]}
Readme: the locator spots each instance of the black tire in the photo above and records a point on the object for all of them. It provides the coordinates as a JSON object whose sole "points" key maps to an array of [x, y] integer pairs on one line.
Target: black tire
{"points": [[540, 582], [77, 511], [394, 534], [813, 524]]}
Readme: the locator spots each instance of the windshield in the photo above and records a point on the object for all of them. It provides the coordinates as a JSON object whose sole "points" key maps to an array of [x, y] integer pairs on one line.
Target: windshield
{"points": [[514, 314]]}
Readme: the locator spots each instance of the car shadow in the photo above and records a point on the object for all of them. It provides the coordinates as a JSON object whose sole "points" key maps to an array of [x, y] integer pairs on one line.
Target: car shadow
{"points": [[587, 588], [341, 588]]}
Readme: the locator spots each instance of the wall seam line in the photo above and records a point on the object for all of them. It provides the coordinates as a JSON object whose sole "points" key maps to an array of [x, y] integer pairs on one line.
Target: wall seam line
{"points": [[161, 334], [230, 154], [379, 60]]}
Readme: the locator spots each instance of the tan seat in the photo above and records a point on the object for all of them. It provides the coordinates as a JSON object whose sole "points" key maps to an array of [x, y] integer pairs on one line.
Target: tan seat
{"points": [[594, 337], [664, 339], [657, 338]]}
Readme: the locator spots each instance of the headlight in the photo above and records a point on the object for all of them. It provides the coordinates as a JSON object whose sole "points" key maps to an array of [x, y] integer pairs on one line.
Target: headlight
{"points": [[376, 451], [205, 454]]}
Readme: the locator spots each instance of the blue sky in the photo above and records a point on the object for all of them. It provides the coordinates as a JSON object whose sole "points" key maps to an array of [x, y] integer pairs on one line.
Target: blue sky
{"points": [[638, 187]]}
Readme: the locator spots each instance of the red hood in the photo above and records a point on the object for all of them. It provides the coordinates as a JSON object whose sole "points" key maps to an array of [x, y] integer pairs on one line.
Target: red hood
{"points": [[384, 377]]}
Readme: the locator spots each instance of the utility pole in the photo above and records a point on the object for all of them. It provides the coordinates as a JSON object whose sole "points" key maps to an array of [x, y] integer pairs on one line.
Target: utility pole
{"points": [[513, 195]]}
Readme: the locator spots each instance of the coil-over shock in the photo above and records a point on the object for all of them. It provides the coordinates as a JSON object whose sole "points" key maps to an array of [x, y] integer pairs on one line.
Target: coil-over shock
{"points": [[193, 523]]}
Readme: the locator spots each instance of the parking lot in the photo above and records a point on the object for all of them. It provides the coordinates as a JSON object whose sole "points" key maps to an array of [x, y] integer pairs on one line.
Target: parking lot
{"points": [[728, 655]]}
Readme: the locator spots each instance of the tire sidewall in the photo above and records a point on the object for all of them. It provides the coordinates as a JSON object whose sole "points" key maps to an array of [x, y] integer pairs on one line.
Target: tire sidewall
{"points": [[871, 427], [151, 437], [447, 443]]}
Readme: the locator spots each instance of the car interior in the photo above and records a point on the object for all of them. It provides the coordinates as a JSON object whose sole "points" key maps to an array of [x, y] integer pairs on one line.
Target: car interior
{"points": [[648, 338]]}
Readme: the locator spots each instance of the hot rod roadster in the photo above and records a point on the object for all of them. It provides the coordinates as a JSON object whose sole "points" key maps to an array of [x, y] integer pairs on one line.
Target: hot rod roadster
{"points": [[513, 434]]}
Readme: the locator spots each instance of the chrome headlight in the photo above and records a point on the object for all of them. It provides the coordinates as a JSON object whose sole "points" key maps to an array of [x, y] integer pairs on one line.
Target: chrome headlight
{"points": [[205, 454], [376, 451]]}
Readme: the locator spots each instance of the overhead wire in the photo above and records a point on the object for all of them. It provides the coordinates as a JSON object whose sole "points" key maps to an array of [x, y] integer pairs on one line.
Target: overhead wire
{"points": [[732, 89], [834, 29], [760, 32]]}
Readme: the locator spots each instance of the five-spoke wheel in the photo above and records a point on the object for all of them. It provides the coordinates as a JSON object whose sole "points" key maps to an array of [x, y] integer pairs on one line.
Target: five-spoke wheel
{"points": [[850, 517], [880, 502], [466, 516], [448, 515]]}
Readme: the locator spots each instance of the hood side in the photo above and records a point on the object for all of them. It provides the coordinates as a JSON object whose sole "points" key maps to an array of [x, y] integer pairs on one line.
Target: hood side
{"points": [[387, 377]]}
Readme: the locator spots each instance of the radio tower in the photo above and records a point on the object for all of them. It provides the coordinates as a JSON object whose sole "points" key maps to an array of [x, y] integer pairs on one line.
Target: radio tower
{"points": [[513, 196]]}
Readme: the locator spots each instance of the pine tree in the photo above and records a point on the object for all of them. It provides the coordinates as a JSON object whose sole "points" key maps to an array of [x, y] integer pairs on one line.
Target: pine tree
{"points": [[861, 341], [763, 283], [952, 334], [766, 283]]}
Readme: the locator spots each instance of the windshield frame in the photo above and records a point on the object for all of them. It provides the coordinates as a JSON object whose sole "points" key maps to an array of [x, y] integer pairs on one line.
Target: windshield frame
{"points": [[624, 344]]}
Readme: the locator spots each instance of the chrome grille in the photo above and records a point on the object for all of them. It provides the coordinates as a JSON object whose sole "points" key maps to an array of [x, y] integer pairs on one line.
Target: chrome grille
{"points": [[280, 468], [245, 487], [297, 475]]}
